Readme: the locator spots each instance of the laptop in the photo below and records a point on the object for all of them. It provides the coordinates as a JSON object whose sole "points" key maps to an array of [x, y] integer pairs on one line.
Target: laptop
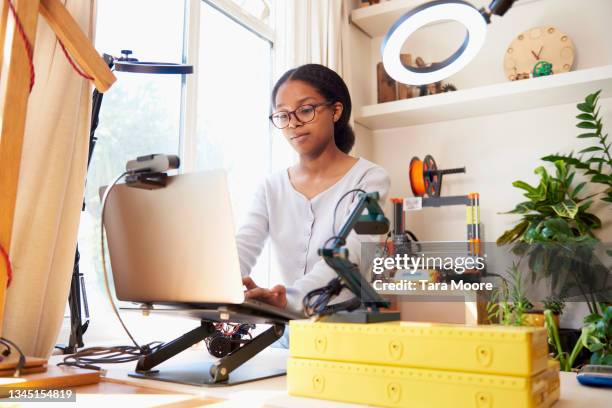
{"points": [[176, 246]]}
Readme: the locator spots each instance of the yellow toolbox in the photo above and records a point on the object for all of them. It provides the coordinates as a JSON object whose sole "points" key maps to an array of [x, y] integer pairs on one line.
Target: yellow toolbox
{"points": [[389, 386], [519, 351]]}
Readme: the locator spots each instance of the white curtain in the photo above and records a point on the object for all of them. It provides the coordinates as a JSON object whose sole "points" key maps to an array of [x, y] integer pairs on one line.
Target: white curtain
{"points": [[50, 192], [311, 31]]}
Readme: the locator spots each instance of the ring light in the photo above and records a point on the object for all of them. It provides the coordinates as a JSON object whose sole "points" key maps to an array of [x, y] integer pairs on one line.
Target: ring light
{"points": [[455, 10]]}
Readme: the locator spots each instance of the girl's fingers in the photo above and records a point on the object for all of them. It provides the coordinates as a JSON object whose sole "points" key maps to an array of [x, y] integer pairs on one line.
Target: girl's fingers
{"points": [[248, 282], [257, 293]]}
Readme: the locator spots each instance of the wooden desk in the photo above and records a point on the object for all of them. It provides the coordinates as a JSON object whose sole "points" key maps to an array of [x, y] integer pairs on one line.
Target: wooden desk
{"points": [[265, 393]]}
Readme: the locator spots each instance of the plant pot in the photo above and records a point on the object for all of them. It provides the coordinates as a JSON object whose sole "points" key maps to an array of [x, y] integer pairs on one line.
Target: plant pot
{"points": [[535, 318]]}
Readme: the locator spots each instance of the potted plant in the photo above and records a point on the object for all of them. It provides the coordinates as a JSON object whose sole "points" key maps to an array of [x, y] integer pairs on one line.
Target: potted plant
{"points": [[509, 305], [555, 305], [598, 163], [556, 233], [596, 336], [557, 213]]}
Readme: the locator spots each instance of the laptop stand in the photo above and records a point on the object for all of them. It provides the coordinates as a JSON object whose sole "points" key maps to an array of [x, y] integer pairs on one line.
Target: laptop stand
{"points": [[215, 373]]}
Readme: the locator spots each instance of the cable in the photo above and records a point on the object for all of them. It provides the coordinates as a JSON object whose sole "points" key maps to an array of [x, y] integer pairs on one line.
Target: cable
{"points": [[88, 357], [102, 248], [338, 204], [316, 300], [10, 345]]}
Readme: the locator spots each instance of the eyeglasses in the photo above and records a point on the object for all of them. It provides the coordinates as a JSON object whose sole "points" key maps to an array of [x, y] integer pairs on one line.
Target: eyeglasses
{"points": [[303, 114]]}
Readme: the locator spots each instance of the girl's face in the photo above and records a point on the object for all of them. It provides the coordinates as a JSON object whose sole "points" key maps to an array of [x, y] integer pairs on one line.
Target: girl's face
{"points": [[312, 137]]}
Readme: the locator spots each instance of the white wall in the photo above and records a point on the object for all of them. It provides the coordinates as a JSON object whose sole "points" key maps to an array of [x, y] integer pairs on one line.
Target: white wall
{"points": [[496, 149]]}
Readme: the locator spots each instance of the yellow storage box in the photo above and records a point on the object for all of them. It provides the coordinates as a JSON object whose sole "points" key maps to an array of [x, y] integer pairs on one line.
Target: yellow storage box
{"points": [[412, 387], [520, 351]]}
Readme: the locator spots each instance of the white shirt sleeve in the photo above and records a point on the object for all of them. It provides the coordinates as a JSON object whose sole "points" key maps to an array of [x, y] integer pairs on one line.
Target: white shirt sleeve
{"points": [[252, 235], [375, 179]]}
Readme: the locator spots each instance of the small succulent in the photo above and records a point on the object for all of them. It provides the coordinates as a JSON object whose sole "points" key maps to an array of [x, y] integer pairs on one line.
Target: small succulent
{"points": [[554, 304]]}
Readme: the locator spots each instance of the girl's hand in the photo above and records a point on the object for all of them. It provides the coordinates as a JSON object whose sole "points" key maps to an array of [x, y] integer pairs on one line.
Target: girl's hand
{"points": [[277, 296]]}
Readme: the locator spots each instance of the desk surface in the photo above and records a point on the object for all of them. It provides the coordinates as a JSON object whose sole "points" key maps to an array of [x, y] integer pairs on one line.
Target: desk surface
{"points": [[271, 392]]}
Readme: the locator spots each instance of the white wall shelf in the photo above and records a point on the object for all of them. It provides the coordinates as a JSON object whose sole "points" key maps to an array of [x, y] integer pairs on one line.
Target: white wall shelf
{"points": [[375, 20], [526, 94]]}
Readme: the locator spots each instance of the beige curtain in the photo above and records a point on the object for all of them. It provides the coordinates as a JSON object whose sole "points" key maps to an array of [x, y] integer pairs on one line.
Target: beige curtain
{"points": [[50, 192], [311, 31]]}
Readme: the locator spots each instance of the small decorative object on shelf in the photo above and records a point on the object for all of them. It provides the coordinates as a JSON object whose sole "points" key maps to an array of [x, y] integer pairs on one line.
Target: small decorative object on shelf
{"points": [[542, 68], [366, 3], [448, 87], [519, 76], [391, 90], [387, 86], [539, 44]]}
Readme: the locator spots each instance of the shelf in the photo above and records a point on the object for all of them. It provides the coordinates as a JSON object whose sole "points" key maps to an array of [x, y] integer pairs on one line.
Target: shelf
{"points": [[375, 20], [570, 87]]}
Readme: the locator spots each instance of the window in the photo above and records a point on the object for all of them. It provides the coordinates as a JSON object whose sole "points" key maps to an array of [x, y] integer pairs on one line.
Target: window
{"points": [[143, 114], [233, 131]]}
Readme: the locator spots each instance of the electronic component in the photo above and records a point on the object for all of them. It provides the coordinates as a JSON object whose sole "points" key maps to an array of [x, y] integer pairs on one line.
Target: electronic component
{"points": [[149, 172], [366, 309], [228, 338]]}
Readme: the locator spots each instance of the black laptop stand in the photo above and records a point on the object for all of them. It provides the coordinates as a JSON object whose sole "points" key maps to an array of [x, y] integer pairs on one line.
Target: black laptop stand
{"points": [[214, 373]]}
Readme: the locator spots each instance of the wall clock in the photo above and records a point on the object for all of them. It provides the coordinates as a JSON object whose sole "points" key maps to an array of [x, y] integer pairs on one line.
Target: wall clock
{"points": [[547, 44]]}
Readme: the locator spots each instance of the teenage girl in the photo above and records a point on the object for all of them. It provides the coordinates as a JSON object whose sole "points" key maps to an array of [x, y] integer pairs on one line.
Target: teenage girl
{"points": [[294, 208]]}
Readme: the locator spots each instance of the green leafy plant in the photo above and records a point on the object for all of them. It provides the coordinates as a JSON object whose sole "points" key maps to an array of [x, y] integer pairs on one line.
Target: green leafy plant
{"points": [[508, 304], [596, 336], [555, 232], [553, 211], [594, 160], [566, 361], [554, 304]]}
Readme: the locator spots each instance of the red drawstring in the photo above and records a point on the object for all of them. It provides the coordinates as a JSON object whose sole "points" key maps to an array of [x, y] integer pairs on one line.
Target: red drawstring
{"points": [[30, 52], [28, 45], [74, 66], [7, 261]]}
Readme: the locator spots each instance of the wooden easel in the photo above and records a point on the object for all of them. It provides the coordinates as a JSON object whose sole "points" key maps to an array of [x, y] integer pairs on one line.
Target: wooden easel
{"points": [[15, 91]]}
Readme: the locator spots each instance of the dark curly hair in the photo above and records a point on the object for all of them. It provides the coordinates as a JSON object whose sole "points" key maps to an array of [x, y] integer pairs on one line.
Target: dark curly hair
{"points": [[329, 84]]}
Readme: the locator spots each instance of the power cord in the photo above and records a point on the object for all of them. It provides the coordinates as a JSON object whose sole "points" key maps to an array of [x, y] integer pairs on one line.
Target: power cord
{"points": [[7, 352], [355, 190], [88, 357], [316, 302], [103, 252]]}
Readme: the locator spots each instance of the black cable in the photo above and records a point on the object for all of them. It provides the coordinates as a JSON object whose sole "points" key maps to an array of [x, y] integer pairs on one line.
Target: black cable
{"points": [[316, 300], [414, 238], [338, 204], [89, 357], [10, 345]]}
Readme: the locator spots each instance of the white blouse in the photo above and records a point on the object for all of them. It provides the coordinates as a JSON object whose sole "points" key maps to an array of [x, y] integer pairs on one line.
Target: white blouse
{"points": [[298, 227]]}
